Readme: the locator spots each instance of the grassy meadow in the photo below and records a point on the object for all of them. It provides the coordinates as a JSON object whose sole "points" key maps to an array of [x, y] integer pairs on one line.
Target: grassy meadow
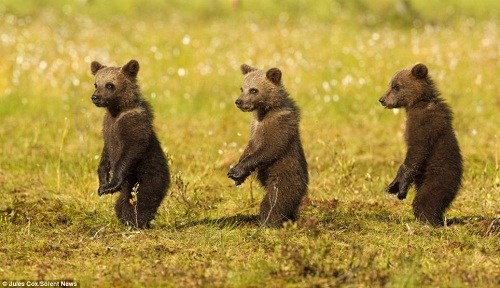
{"points": [[337, 58]]}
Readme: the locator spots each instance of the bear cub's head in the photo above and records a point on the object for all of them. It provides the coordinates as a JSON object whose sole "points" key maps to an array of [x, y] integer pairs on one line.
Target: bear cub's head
{"points": [[260, 90], [114, 86], [408, 87]]}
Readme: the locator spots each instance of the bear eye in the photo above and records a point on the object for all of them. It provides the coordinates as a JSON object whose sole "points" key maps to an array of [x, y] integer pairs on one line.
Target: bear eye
{"points": [[396, 87], [110, 86], [253, 91]]}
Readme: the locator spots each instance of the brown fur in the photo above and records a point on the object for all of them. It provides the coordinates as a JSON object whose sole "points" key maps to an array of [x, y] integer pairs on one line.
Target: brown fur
{"points": [[433, 161], [132, 153], [274, 150]]}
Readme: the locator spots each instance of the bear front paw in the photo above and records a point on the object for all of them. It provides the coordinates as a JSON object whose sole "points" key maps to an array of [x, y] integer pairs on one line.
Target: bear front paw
{"points": [[402, 195], [109, 188], [238, 175], [393, 188], [404, 186]]}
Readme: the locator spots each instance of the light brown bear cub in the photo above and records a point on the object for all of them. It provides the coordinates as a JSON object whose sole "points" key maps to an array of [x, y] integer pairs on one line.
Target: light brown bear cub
{"points": [[132, 155], [274, 150], [433, 161]]}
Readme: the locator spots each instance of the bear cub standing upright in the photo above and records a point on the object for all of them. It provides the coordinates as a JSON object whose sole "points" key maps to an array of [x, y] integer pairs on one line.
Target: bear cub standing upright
{"points": [[433, 161], [274, 150], [132, 159]]}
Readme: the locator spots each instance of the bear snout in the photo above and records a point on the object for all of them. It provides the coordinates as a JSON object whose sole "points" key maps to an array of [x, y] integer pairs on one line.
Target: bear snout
{"points": [[244, 106], [97, 100], [382, 101], [238, 102], [386, 102]]}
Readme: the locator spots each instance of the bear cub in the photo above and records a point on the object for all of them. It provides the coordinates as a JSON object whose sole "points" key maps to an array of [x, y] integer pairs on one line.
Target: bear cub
{"points": [[274, 150], [433, 161], [132, 159]]}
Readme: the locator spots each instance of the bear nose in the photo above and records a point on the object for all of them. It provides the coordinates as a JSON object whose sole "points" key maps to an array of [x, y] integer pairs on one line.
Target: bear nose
{"points": [[381, 100], [238, 102], [94, 98]]}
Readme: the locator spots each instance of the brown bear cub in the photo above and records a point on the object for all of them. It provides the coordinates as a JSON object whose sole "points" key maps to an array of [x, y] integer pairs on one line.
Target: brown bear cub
{"points": [[274, 150], [433, 161], [132, 159]]}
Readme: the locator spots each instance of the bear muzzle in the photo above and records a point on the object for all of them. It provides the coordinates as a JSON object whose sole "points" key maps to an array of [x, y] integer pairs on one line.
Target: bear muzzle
{"points": [[241, 105], [384, 103], [97, 100]]}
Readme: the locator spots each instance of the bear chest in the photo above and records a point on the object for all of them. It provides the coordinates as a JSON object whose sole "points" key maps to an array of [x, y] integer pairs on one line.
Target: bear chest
{"points": [[112, 138]]}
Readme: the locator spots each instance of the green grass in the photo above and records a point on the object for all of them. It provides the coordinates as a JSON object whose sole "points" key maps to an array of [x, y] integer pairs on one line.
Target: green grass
{"points": [[337, 58]]}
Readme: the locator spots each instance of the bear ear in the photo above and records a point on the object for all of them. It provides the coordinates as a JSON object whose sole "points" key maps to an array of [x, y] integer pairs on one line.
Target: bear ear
{"points": [[131, 68], [274, 74], [419, 71], [245, 69], [95, 66]]}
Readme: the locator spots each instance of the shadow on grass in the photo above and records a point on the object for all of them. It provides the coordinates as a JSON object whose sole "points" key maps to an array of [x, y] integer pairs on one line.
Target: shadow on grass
{"points": [[238, 220], [485, 226], [465, 220]]}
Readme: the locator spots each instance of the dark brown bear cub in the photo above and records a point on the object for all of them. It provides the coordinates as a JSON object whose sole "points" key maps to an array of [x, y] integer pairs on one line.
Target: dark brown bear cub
{"points": [[433, 161], [132, 159], [274, 150]]}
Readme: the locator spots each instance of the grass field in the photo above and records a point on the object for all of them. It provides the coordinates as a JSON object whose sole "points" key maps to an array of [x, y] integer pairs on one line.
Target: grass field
{"points": [[337, 58]]}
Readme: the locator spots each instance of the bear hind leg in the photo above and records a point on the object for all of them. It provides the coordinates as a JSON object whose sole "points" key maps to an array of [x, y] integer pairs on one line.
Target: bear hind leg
{"points": [[125, 211], [279, 206], [140, 213], [429, 206]]}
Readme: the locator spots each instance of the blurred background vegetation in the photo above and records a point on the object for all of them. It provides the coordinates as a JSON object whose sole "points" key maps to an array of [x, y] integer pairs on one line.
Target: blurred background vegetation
{"points": [[403, 12]]}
